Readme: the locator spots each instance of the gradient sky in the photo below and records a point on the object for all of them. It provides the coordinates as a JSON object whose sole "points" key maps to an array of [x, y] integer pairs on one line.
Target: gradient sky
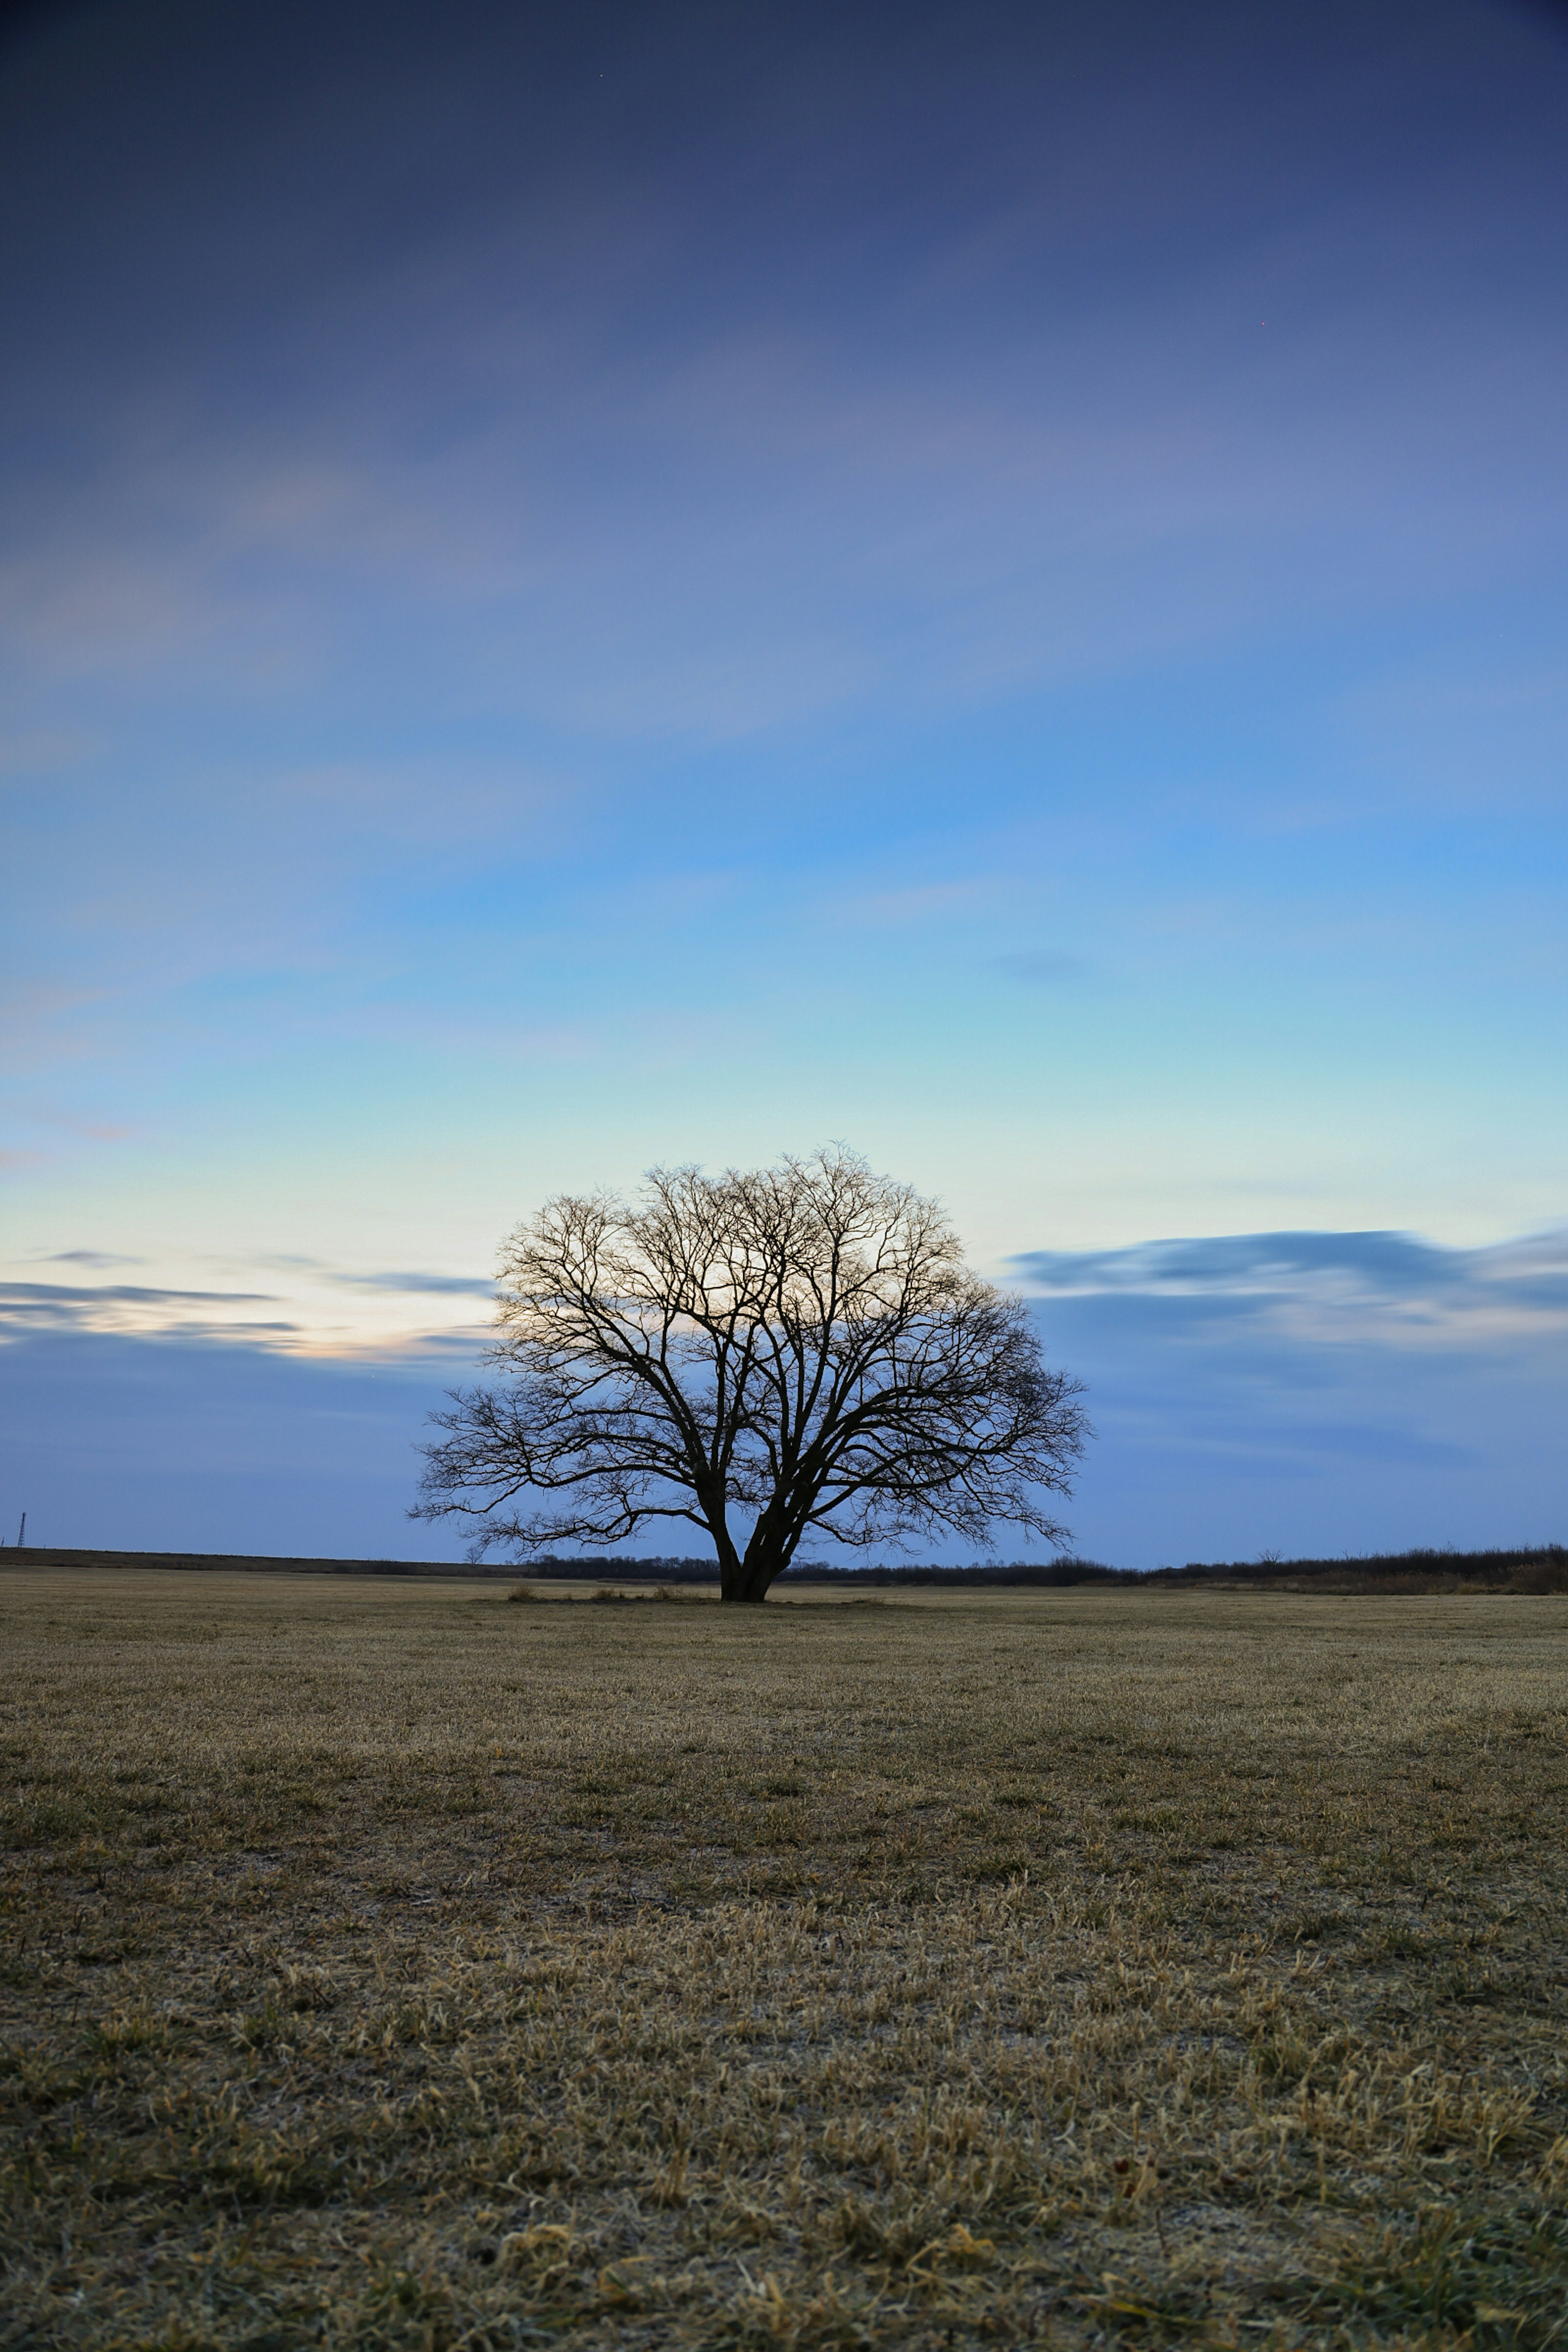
{"points": [[595, 586]]}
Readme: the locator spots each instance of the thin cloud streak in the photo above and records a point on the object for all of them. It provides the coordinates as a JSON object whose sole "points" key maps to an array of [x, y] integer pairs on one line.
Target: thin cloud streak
{"points": [[1392, 1287], [1042, 967], [78, 1300], [1312, 1392], [454, 1284], [91, 1258]]}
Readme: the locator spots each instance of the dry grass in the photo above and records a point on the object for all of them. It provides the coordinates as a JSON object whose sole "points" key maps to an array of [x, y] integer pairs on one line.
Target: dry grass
{"points": [[386, 1967]]}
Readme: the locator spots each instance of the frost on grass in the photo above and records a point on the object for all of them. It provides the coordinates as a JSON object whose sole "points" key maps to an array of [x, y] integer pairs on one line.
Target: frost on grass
{"points": [[393, 1968]]}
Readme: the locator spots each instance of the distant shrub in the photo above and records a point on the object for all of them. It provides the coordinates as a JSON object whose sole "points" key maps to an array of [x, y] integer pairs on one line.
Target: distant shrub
{"points": [[1540, 1576], [1531, 1568]]}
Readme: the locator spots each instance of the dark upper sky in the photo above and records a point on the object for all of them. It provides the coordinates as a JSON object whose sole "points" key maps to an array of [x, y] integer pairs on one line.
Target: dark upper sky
{"points": [[625, 261], [252, 212]]}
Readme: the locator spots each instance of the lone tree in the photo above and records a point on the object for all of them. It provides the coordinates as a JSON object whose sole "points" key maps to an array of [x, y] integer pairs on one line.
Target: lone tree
{"points": [[800, 1346]]}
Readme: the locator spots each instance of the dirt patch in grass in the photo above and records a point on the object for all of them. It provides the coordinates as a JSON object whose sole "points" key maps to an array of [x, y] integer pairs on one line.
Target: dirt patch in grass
{"points": [[388, 1967]]}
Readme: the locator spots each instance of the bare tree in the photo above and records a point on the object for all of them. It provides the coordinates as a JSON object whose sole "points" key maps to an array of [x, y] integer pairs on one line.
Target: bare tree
{"points": [[800, 1346]]}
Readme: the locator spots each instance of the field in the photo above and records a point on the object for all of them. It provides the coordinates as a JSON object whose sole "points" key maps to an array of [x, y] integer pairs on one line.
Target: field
{"points": [[387, 1965]]}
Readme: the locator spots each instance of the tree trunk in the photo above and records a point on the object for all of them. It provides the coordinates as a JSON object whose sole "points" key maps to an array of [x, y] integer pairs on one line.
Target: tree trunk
{"points": [[753, 1583], [732, 1567], [766, 1556]]}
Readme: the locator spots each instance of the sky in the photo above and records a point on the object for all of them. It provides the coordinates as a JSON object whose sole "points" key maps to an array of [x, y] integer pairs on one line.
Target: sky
{"points": [[594, 586]]}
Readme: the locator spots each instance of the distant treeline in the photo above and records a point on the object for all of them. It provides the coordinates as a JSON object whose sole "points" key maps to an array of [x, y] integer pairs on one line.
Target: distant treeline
{"points": [[1527, 1568], [1540, 1568], [240, 1563], [633, 1571], [1532, 1568], [580, 1569]]}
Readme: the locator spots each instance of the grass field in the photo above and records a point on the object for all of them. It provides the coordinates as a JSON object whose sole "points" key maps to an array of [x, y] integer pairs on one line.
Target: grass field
{"points": [[386, 1965]]}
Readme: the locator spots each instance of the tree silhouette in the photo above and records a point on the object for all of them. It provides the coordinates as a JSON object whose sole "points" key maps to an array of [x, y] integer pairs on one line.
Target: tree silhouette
{"points": [[800, 1346]]}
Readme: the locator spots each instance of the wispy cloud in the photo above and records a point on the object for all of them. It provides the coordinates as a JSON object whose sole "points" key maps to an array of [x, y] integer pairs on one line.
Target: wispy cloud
{"points": [[1041, 967], [1389, 1287], [108, 1305], [920, 902], [456, 1285], [1312, 1391], [311, 1308], [141, 1311], [90, 1257]]}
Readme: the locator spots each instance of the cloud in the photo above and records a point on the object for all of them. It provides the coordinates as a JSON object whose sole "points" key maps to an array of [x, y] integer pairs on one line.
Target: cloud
{"points": [[921, 902], [455, 1283], [1391, 1286], [1041, 967], [135, 1308], [90, 1257], [129, 1293], [315, 1310], [1312, 1392]]}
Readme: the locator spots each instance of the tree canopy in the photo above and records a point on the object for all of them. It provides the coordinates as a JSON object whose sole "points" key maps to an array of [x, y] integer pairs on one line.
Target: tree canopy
{"points": [[765, 1354]]}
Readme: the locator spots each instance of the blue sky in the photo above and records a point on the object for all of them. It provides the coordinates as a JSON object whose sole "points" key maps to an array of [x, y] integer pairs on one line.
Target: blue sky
{"points": [[587, 587]]}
